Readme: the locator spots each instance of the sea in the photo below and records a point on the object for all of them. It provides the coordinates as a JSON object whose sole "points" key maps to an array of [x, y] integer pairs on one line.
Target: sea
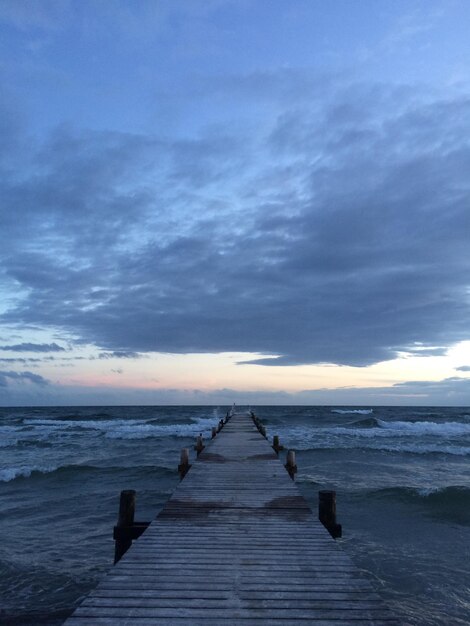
{"points": [[401, 474]]}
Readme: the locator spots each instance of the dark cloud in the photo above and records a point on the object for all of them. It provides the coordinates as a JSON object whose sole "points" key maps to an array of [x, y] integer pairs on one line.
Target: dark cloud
{"points": [[119, 354], [463, 368], [33, 347], [6, 377], [337, 233]]}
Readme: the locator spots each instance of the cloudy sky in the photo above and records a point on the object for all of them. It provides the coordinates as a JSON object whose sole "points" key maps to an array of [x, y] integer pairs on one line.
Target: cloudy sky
{"points": [[250, 200]]}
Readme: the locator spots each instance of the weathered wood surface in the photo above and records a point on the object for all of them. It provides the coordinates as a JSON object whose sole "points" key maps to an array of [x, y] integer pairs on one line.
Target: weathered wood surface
{"points": [[236, 544]]}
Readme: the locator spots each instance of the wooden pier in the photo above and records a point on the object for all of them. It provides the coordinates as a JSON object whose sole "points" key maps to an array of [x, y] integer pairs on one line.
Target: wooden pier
{"points": [[236, 544]]}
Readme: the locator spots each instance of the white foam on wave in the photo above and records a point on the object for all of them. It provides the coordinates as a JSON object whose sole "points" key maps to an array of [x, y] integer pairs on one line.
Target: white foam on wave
{"points": [[412, 448], [428, 491], [447, 429], [356, 411], [10, 473], [121, 428], [423, 448], [413, 437], [90, 424], [145, 431], [384, 430]]}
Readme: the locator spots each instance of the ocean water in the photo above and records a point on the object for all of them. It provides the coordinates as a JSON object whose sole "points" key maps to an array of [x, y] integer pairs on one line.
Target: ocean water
{"points": [[402, 477]]}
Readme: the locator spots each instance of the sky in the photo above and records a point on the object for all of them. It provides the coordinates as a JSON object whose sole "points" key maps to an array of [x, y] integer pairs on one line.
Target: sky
{"points": [[257, 201]]}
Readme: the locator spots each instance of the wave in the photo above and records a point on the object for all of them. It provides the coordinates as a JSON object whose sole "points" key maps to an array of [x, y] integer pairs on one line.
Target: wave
{"points": [[388, 447], [103, 424], [23, 472], [372, 427], [458, 493], [403, 429], [451, 502], [368, 422], [8, 443], [427, 428], [145, 431], [406, 440], [357, 411], [11, 473], [120, 428]]}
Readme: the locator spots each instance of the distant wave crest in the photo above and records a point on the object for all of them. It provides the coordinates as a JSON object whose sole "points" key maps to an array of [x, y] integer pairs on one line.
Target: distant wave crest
{"points": [[118, 428], [421, 437], [357, 411], [368, 422], [20, 472], [427, 428]]}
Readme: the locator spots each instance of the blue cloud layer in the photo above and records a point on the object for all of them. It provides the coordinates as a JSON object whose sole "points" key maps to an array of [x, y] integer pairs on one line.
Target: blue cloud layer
{"points": [[337, 232]]}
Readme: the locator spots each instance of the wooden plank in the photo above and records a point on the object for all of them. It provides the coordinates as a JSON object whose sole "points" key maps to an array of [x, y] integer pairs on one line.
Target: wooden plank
{"points": [[93, 612], [149, 621], [237, 543]]}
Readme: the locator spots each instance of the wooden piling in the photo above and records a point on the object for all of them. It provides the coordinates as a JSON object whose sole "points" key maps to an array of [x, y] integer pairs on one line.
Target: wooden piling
{"points": [[199, 447], [214, 432], [125, 519], [276, 444], [290, 465], [184, 466], [327, 513]]}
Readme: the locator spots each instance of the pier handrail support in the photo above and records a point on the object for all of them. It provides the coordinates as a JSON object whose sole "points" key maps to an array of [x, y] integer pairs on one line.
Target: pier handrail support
{"points": [[126, 529], [327, 513]]}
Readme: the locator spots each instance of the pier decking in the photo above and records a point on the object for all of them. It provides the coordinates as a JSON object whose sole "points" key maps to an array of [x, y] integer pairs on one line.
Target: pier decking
{"points": [[236, 544]]}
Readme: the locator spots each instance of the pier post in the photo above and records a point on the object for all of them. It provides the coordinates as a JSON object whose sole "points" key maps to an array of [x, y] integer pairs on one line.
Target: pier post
{"points": [[199, 447], [276, 444], [125, 519], [327, 513], [290, 465], [214, 431], [220, 426], [184, 466]]}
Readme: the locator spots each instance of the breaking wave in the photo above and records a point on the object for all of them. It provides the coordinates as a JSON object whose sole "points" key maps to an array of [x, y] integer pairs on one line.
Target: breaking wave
{"points": [[13, 473], [390, 436], [447, 429], [357, 411], [117, 428], [368, 422], [400, 428]]}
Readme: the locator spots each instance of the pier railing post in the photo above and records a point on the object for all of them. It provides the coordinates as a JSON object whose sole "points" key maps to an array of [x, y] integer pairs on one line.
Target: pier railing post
{"points": [[276, 444], [290, 465], [214, 431], [125, 519], [199, 447], [327, 513], [184, 466]]}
